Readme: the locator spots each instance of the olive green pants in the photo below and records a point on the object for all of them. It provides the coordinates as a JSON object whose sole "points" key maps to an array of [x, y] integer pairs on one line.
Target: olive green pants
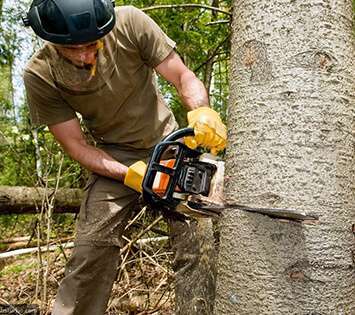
{"points": [[92, 268]]}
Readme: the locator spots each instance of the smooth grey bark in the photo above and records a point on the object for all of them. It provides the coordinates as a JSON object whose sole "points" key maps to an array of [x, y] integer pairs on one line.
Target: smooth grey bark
{"points": [[291, 145]]}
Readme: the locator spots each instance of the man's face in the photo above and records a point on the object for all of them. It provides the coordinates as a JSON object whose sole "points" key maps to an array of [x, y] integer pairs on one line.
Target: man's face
{"points": [[79, 55]]}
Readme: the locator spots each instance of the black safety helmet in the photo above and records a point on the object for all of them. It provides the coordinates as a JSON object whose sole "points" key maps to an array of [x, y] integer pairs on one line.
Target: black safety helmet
{"points": [[71, 22]]}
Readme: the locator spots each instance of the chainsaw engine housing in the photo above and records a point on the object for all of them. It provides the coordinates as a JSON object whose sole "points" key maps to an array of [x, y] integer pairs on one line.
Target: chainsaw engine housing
{"points": [[190, 176]]}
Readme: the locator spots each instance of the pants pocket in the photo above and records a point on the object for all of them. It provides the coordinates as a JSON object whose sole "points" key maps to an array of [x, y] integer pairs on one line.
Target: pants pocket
{"points": [[87, 190]]}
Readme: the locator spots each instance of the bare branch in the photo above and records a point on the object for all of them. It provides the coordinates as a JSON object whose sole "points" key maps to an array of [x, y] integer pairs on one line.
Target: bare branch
{"points": [[184, 6], [148, 228], [217, 22], [34, 250], [213, 54]]}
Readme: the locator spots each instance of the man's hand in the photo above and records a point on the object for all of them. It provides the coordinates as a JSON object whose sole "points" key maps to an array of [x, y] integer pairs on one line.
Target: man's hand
{"points": [[136, 172], [210, 132], [135, 175]]}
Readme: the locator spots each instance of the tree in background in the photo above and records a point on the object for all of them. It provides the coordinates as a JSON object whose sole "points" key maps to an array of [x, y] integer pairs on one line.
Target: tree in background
{"points": [[6, 59], [291, 145]]}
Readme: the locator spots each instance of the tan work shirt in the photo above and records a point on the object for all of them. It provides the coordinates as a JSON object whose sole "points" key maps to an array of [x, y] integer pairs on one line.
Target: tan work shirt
{"points": [[121, 104]]}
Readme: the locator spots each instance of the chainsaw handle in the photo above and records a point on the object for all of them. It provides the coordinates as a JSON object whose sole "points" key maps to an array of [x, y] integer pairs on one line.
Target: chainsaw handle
{"points": [[178, 134], [154, 166]]}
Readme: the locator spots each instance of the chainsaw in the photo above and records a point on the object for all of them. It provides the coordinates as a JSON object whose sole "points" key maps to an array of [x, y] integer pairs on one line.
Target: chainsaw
{"points": [[186, 183], [180, 180]]}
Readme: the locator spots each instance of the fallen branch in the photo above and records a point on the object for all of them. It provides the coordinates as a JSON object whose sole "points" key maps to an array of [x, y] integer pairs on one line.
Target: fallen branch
{"points": [[144, 241], [21, 200], [27, 243], [141, 242], [31, 250], [148, 228], [15, 240]]}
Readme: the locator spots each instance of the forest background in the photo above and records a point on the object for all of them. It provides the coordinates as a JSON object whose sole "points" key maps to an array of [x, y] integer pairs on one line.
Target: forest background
{"points": [[30, 157]]}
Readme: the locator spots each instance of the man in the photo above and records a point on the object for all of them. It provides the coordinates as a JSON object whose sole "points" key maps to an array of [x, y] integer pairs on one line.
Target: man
{"points": [[100, 62]]}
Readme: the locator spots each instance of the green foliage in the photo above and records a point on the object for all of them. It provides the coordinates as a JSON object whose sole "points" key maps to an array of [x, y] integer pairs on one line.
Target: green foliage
{"points": [[10, 41], [14, 269], [19, 156], [5, 88], [14, 225], [25, 224]]}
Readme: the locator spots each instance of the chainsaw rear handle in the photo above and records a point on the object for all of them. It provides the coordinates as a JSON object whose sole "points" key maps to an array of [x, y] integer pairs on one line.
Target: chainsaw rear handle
{"points": [[182, 152]]}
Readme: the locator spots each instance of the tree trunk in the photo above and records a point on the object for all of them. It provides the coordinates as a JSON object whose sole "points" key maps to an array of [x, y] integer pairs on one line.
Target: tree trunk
{"points": [[6, 85], [37, 154], [291, 145], [194, 264], [29, 199]]}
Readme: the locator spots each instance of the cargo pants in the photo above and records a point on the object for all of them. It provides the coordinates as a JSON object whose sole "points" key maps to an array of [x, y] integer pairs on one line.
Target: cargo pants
{"points": [[92, 268]]}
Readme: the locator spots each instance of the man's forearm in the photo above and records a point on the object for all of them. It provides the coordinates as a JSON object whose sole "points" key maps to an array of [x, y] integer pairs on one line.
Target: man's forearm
{"points": [[192, 91], [98, 161]]}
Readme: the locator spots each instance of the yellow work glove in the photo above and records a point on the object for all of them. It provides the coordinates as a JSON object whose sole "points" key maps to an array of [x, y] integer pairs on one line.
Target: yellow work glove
{"points": [[135, 175], [210, 132]]}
